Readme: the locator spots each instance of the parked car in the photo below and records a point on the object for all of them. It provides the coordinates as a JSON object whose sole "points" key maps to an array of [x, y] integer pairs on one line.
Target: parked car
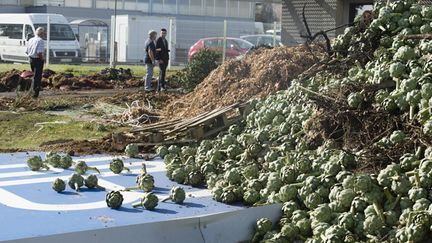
{"points": [[270, 32], [234, 47], [262, 40]]}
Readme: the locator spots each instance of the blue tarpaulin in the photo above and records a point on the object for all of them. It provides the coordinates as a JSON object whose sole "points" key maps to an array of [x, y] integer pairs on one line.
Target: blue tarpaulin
{"points": [[31, 209]]}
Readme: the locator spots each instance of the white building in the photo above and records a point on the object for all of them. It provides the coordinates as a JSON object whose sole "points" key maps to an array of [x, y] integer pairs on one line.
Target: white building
{"points": [[195, 19]]}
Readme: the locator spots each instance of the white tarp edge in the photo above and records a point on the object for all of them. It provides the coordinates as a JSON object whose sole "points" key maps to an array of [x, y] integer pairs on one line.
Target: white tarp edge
{"points": [[228, 227]]}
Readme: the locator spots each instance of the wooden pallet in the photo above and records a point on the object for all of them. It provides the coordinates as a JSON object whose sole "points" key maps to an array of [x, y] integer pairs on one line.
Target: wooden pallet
{"points": [[181, 131]]}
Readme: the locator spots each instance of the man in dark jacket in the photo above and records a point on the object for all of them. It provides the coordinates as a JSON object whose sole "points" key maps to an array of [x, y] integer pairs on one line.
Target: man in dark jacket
{"points": [[162, 55]]}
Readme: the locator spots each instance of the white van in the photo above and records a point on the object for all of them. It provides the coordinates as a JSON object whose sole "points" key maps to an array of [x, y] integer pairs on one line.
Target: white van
{"points": [[17, 29]]}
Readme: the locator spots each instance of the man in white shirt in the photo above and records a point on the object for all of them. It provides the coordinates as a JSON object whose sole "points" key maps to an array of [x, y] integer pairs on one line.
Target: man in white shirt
{"points": [[35, 52]]}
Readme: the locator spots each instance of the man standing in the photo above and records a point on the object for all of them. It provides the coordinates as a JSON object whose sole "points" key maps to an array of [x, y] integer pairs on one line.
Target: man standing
{"points": [[35, 51], [150, 59], [163, 58]]}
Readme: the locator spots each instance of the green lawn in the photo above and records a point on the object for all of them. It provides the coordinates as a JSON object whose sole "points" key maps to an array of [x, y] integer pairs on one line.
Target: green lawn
{"points": [[84, 69], [18, 130]]}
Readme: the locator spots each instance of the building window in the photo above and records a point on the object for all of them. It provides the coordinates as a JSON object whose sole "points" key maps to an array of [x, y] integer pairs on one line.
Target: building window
{"points": [[170, 6], [143, 5], [245, 10], [357, 9], [210, 7], [102, 4], [233, 8], [9, 2], [196, 7], [221, 8], [157, 6], [71, 3], [183, 6], [111, 4], [130, 4]]}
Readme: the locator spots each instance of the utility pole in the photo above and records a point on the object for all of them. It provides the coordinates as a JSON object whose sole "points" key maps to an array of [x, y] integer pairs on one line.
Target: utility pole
{"points": [[113, 36]]}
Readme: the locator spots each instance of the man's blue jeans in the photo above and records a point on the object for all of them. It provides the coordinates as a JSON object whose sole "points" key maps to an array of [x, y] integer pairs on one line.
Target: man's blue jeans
{"points": [[149, 76]]}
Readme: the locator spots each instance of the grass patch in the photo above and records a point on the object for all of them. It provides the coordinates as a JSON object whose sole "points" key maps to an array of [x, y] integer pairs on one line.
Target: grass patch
{"points": [[138, 70], [18, 130]]}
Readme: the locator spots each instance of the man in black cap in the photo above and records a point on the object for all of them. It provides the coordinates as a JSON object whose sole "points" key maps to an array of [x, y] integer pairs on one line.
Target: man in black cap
{"points": [[162, 55]]}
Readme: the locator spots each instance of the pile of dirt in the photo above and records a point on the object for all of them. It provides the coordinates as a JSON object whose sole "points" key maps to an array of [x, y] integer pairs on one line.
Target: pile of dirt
{"points": [[67, 81], [108, 78], [11, 80], [263, 72], [109, 74]]}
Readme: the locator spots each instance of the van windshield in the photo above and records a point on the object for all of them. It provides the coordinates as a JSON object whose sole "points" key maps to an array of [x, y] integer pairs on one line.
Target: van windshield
{"points": [[58, 31]]}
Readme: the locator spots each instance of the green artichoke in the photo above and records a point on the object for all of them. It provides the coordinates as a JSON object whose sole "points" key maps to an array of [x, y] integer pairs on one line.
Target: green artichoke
{"points": [[177, 195], [179, 175], [117, 166], [251, 196], [144, 182], [149, 201], [92, 182], [75, 181], [59, 185], [81, 168], [36, 163], [132, 150], [114, 199], [66, 162], [53, 159], [263, 226]]}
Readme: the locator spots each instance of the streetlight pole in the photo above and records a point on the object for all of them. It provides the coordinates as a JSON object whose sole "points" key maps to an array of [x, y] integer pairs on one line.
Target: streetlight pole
{"points": [[113, 36]]}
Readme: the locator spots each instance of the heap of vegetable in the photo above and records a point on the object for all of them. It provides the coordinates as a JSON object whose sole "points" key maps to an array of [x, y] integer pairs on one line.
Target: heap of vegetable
{"points": [[266, 159]]}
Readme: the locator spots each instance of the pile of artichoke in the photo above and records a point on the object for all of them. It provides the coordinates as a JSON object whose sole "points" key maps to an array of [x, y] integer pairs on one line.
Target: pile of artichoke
{"points": [[266, 159]]}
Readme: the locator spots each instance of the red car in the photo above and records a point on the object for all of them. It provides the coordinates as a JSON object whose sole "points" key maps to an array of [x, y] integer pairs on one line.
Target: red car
{"points": [[234, 47]]}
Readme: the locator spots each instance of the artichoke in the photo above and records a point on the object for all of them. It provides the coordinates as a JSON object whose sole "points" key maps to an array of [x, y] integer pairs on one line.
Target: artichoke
{"points": [[179, 175], [149, 201], [36, 163], [114, 199], [53, 159], [322, 213], [162, 151], [59, 185], [263, 226], [144, 182], [117, 166], [75, 181], [92, 182], [288, 193], [177, 195], [132, 150], [66, 162], [81, 168], [251, 197]]}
